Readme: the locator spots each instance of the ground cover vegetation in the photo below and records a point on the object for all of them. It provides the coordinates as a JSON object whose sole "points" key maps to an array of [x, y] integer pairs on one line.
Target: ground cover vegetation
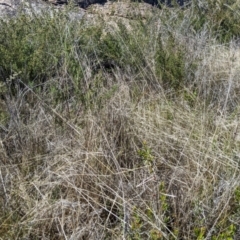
{"points": [[121, 131]]}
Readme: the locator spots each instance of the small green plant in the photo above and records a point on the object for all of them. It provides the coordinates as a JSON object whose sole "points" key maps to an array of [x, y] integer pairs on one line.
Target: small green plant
{"points": [[163, 198], [146, 154], [200, 233], [227, 234], [139, 226], [156, 235], [190, 97], [136, 226]]}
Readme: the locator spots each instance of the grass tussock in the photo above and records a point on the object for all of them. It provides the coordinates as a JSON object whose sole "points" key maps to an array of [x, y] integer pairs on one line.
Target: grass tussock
{"points": [[111, 133]]}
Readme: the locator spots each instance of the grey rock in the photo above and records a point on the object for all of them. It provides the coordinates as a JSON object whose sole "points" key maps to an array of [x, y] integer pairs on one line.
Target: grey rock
{"points": [[7, 8], [10, 8], [86, 3]]}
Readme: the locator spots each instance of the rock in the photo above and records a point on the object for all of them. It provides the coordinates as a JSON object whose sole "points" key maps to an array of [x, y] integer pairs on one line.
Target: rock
{"points": [[81, 3], [126, 8], [9, 8], [129, 10], [111, 14], [86, 3]]}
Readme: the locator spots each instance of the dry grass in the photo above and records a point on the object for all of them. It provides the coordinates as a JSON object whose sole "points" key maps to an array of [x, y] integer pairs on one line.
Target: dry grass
{"points": [[150, 163], [175, 167]]}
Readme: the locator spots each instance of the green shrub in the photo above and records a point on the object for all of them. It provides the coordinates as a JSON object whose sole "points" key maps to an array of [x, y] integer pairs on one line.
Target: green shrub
{"points": [[46, 47], [29, 46], [220, 17], [170, 64]]}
